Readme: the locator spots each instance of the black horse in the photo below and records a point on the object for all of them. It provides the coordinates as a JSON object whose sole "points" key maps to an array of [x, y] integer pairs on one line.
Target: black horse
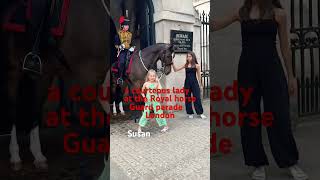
{"points": [[141, 62], [84, 48]]}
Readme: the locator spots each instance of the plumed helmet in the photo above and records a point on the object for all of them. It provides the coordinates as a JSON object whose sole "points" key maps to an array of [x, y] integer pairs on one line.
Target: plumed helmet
{"points": [[123, 21]]}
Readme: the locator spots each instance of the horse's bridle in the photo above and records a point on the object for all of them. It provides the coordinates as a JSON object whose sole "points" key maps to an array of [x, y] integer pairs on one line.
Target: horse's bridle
{"points": [[163, 64], [166, 64], [161, 59]]}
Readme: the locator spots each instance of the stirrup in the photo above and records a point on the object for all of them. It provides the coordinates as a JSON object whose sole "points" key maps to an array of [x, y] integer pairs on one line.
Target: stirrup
{"points": [[32, 63], [119, 81]]}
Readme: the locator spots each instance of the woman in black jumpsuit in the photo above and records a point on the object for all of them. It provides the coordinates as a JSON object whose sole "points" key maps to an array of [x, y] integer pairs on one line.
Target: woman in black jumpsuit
{"points": [[191, 83], [260, 68]]}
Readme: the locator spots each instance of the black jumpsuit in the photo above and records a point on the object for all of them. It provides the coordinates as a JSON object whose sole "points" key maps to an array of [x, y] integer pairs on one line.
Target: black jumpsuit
{"points": [[260, 68], [192, 84]]}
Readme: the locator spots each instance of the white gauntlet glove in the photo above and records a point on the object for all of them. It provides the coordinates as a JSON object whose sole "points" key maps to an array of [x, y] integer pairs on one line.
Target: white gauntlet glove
{"points": [[131, 49]]}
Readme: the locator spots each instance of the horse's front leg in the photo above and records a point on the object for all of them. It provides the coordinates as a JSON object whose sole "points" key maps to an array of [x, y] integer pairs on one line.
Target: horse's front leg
{"points": [[40, 161], [40, 95], [114, 108], [121, 108], [118, 101], [15, 159]]}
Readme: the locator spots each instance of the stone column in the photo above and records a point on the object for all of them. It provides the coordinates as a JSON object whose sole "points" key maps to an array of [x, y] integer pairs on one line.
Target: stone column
{"points": [[176, 15]]}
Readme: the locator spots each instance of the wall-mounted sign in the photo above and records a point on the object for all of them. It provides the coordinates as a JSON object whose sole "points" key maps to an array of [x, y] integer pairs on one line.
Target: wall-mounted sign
{"points": [[183, 40]]}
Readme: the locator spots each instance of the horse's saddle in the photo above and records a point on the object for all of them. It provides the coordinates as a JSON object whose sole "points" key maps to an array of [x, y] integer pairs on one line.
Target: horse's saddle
{"points": [[20, 15]]}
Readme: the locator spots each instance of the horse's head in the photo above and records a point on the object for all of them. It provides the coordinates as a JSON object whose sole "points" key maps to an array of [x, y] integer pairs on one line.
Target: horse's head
{"points": [[166, 58]]}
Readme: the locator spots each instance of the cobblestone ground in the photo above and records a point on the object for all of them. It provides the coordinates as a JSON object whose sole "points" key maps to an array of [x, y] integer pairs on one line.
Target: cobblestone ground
{"points": [[180, 153]]}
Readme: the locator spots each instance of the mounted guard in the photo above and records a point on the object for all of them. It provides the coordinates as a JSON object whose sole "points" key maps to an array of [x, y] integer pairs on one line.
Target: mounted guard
{"points": [[124, 47]]}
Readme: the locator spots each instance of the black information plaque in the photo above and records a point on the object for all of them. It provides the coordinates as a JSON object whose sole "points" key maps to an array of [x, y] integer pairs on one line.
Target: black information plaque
{"points": [[182, 40]]}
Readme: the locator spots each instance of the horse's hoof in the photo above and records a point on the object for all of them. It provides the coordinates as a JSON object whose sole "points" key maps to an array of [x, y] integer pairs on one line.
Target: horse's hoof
{"points": [[16, 166], [41, 165], [123, 113], [114, 114]]}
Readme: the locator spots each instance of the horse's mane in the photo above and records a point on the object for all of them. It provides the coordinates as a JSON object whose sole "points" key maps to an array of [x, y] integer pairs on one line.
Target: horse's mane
{"points": [[157, 47]]}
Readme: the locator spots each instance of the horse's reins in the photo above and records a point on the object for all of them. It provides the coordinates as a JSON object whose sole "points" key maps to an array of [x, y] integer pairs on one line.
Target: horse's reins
{"points": [[140, 57], [106, 7]]}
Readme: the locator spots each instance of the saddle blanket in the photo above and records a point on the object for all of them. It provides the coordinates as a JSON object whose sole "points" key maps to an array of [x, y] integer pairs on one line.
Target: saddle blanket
{"points": [[19, 16], [115, 66]]}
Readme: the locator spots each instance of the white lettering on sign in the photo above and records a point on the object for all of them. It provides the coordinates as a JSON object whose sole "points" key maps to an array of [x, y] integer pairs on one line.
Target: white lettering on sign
{"points": [[181, 36]]}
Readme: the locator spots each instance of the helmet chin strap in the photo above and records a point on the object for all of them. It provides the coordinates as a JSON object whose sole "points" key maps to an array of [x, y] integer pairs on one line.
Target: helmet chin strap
{"points": [[122, 27]]}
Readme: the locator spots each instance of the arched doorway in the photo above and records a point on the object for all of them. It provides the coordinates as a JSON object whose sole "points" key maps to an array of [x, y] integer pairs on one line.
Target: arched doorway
{"points": [[145, 13]]}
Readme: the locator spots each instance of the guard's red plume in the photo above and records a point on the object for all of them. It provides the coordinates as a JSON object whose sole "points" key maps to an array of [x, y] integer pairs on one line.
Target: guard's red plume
{"points": [[121, 19]]}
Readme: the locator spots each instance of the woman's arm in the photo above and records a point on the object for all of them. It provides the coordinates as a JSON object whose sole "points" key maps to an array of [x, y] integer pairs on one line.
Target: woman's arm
{"points": [[199, 75], [177, 69], [281, 18], [218, 24]]}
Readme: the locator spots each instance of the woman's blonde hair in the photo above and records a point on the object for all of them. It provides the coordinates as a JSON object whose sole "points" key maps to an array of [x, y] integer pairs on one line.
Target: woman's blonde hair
{"points": [[150, 72]]}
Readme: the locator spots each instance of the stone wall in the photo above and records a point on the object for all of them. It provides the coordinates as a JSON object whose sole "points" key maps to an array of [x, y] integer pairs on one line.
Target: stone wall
{"points": [[176, 15]]}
